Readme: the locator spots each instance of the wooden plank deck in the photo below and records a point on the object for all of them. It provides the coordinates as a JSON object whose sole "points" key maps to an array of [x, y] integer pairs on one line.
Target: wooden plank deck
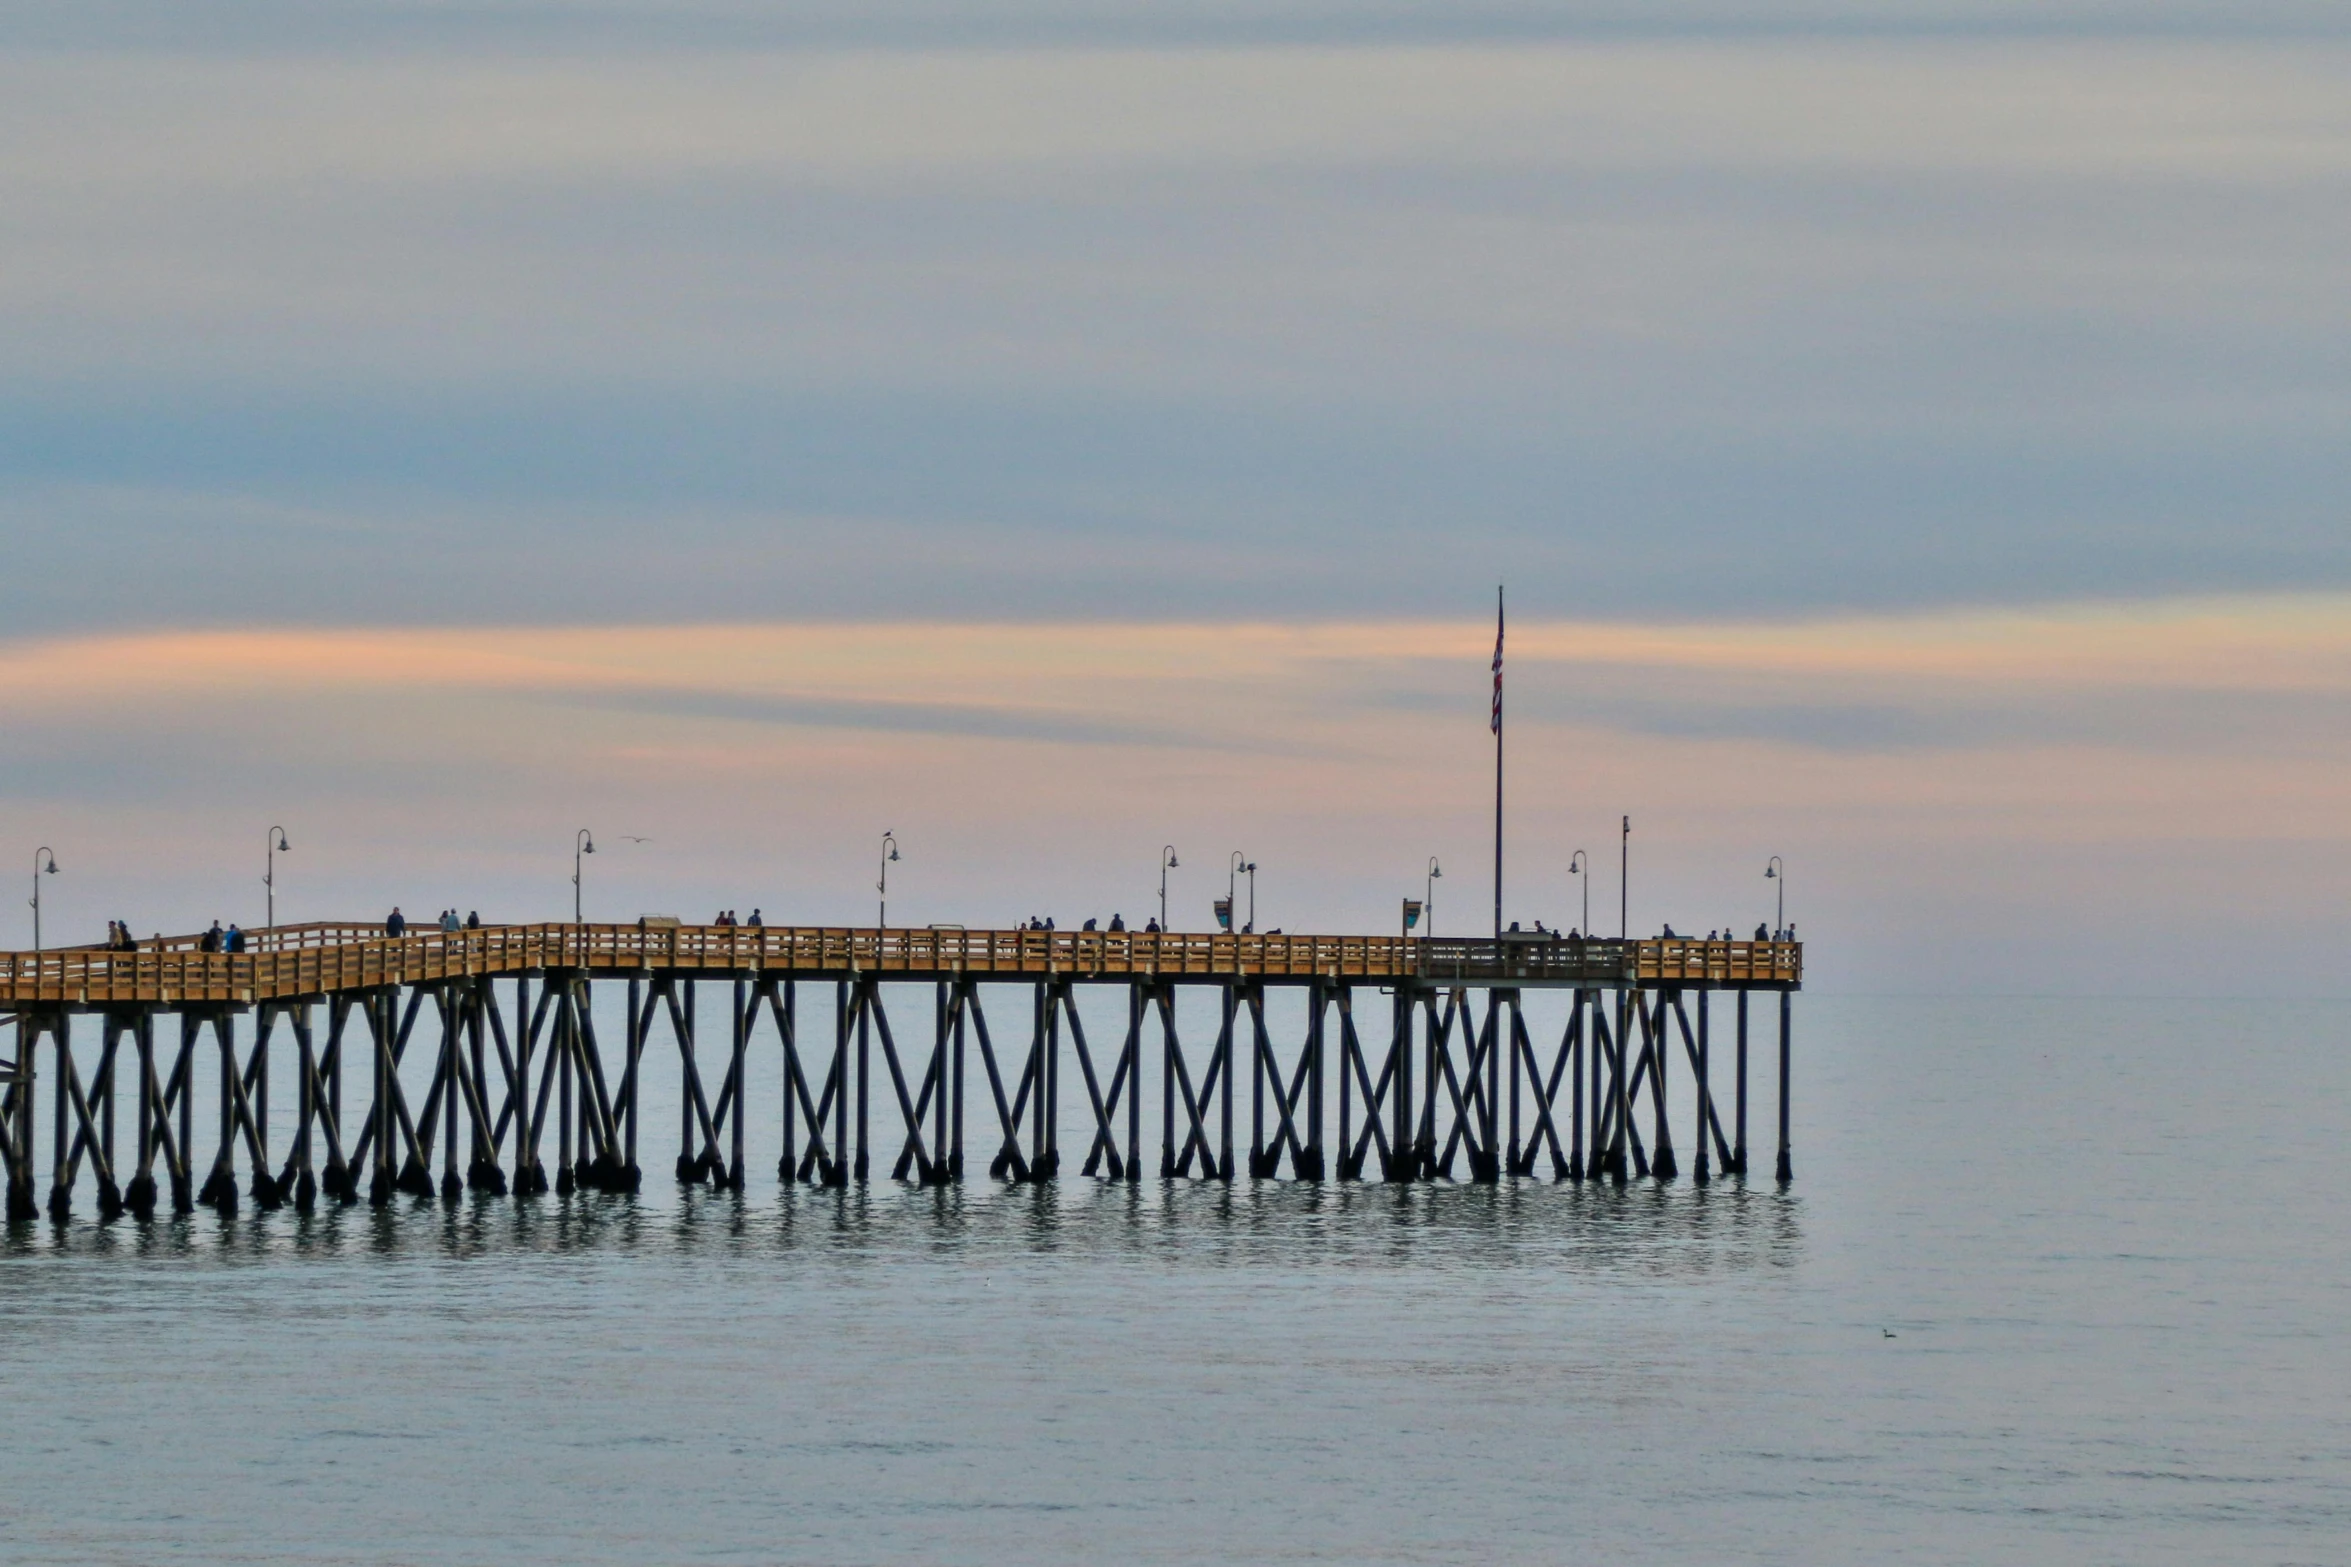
{"points": [[322, 958]]}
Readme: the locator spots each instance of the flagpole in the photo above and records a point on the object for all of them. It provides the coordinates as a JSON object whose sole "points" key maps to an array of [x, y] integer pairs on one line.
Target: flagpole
{"points": [[1497, 763]]}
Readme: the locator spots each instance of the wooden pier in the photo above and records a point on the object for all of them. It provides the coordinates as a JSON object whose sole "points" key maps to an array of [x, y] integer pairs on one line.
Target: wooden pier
{"points": [[437, 1069]]}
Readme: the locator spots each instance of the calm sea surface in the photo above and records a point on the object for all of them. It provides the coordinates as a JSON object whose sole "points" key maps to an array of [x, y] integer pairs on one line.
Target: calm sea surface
{"points": [[2106, 1237]]}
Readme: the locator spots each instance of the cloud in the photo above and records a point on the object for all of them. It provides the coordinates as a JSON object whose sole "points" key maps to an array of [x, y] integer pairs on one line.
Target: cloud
{"points": [[1727, 327], [276, 25], [1999, 772], [893, 717], [2247, 674]]}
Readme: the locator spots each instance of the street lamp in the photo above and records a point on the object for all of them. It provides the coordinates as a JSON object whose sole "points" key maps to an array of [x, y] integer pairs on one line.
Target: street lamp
{"points": [[269, 871], [1428, 897], [582, 844], [39, 855], [889, 853], [1777, 871], [1580, 864], [1167, 862], [1250, 870]]}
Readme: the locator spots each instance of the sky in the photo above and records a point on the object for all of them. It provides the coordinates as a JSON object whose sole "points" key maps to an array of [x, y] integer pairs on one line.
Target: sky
{"points": [[1913, 438]]}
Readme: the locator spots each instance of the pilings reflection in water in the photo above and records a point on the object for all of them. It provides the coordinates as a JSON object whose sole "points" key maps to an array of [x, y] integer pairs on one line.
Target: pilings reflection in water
{"points": [[1649, 1230]]}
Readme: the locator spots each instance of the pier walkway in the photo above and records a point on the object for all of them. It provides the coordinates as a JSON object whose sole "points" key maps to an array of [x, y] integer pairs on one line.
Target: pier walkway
{"points": [[1453, 1079]]}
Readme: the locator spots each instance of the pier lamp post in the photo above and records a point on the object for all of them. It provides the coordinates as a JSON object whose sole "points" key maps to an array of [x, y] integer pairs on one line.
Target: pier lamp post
{"points": [[1777, 871], [1232, 879], [269, 872], [583, 844], [889, 853], [1428, 897], [1624, 883], [1167, 862], [1250, 870], [1580, 864], [41, 855]]}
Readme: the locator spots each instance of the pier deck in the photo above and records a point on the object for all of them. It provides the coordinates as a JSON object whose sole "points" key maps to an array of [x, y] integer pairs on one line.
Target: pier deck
{"points": [[324, 958]]}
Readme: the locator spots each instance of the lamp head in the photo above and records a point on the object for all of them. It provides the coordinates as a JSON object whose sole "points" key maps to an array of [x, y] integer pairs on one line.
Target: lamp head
{"points": [[1771, 873], [51, 867], [1172, 861], [589, 847]]}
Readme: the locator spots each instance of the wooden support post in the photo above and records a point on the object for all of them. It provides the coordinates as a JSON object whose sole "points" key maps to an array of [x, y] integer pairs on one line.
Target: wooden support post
{"points": [[561, 1062], [788, 1161], [300, 1157], [1223, 1070], [1435, 1042], [340, 1181], [1575, 1078], [22, 1205], [1167, 1081], [632, 1084], [110, 1203], [60, 1183], [1702, 1093], [1134, 1071], [1620, 1099], [962, 1004], [1597, 1164], [838, 1171], [1040, 1031], [183, 1186], [380, 1026], [1739, 1130], [530, 1172], [1511, 1064], [452, 1185], [1484, 1091], [1662, 1163], [1258, 1065], [864, 1080], [139, 1194], [1347, 1169], [1047, 1164], [265, 1018], [481, 1160], [339, 1013], [220, 1186], [735, 1084], [1787, 1168], [1316, 1157], [1402, 1153], [942, 1034], [681, 994]]}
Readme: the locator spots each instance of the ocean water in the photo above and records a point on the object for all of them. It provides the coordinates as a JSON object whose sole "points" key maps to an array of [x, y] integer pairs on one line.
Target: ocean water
{"points": [[2059, 1281]]}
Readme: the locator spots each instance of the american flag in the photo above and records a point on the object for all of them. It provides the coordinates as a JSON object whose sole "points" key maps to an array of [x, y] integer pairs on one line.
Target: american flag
{"points": [[1497, 661]]}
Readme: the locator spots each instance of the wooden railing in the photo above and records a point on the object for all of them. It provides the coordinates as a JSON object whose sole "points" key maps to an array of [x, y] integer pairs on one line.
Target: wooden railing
{"points": [[315, 959]]}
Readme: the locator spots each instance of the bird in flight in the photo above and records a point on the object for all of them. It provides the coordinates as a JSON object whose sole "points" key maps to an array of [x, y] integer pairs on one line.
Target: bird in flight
{"points": [[632, 838]]}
